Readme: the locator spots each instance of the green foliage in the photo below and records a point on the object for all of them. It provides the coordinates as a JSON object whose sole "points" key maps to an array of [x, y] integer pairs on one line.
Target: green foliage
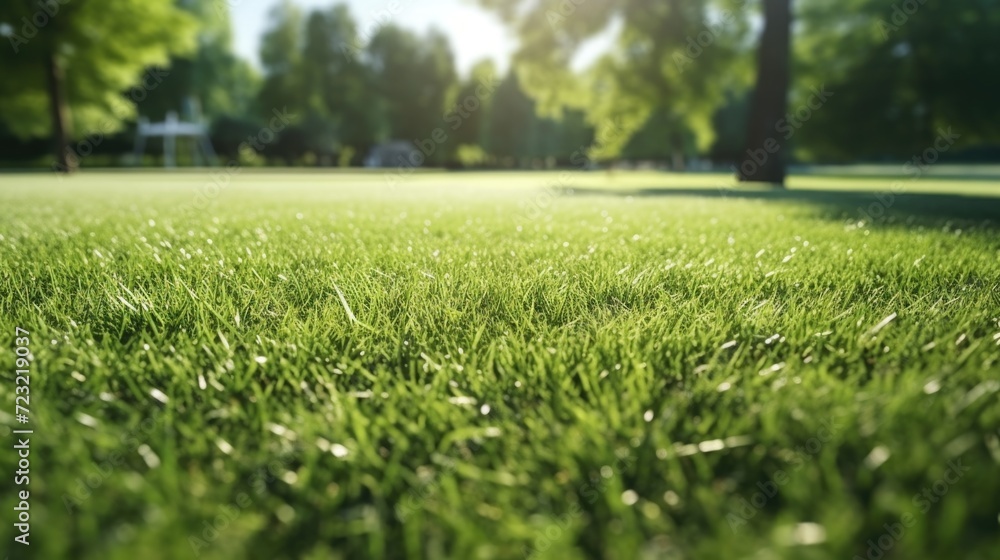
{"points": [[281, 56], [339, 86], [520, 137], [217, 80], [511, 120], [674, 58], [415, 76], [102, 48], [900, 72]]}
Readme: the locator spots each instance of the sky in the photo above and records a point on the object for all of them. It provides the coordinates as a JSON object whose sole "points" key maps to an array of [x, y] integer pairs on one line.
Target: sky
{"points": [[474, 33]]}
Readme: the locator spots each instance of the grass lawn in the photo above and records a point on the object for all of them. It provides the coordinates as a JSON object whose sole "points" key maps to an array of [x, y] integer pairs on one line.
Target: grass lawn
{"points": [[509, 365]]}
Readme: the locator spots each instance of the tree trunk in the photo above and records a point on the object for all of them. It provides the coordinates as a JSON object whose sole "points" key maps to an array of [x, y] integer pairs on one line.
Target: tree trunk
{"points": [[765, 147], [65, 161], [677, 139]]}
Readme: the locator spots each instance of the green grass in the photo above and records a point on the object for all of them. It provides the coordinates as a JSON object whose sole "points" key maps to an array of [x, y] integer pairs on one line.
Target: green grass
{"points": [[470, 366]]}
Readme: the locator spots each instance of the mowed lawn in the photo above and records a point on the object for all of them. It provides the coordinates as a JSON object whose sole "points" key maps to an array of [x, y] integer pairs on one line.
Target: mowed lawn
{"points": [[510, 365]]}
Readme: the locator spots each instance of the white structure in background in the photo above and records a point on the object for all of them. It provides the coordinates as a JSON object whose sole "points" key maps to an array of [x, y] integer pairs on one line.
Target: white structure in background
{"points": [[170, 129], [395, 153]]}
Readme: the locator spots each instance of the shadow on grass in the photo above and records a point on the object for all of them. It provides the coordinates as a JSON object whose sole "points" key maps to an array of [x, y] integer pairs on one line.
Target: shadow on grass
{"points": [[872, 207]]}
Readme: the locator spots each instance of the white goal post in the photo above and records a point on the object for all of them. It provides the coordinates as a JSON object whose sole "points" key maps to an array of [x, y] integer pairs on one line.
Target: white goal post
{"points": [[169, 130]]}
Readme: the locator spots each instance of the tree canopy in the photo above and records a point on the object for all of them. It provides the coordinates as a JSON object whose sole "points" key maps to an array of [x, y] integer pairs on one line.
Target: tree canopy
{"points": [[74, 60]]}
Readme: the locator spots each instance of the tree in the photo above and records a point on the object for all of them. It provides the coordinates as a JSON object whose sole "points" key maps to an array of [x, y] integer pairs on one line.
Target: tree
{"points": [[337, 82], [770, 98], [468, 117], [904, 73], [314, 67], [671, 58], [281, 58], [415, 77], [73, 60], [213, 78], [511, 123]]}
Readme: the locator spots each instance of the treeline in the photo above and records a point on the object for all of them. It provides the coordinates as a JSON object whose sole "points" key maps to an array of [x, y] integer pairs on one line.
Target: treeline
{"points": [[344, 91], [873, 80]]}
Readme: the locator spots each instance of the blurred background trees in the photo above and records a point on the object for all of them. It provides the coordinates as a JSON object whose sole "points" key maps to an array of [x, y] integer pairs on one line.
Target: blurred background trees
{"points": [[75, 70], [675, 83]]}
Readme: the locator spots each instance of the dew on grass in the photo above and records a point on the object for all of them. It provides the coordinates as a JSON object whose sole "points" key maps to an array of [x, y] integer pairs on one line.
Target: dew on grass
{"points": [[671, 498], [282, 431], [711, 445], [882, 324], [776, 367], [976, 393], [807, 534], [462, 401], [879, 455], [630, 497], [159, 395], [285, 514], [339, 450], [149, 456], [87, 420]]}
